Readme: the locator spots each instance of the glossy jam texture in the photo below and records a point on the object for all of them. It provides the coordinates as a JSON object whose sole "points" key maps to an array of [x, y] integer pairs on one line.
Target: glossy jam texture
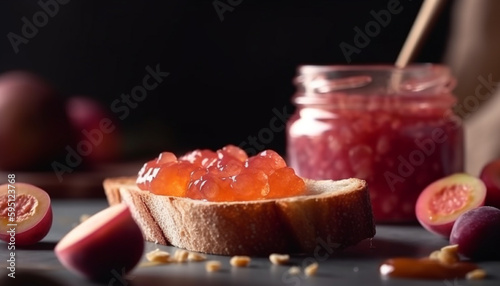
{"points": [[425, 268], [227, 174], [397, 148]]}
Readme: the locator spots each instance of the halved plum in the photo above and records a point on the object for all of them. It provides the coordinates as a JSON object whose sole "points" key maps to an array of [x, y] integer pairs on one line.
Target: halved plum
{"points": [[443, 201], [108, 243], [25, 213]]}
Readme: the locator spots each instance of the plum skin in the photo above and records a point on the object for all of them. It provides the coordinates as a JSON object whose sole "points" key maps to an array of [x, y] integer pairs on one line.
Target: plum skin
{"points": [[113, 249], [477, 233], [34, 234], [28, 98], [87, 113], [490, 175]]}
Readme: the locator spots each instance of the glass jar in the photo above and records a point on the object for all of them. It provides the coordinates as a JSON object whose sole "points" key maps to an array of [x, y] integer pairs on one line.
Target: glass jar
{"points": [[393, 127]]}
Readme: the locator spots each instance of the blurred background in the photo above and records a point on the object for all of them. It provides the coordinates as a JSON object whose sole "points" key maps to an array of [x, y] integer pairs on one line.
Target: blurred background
{"points": [[171, 75]]}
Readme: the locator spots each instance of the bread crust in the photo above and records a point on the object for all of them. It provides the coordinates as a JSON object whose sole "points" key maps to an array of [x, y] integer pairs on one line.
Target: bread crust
{"points": [[338, 213]]}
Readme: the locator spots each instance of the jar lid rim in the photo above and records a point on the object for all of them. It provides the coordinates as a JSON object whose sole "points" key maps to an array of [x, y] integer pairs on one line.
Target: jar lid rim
{"points": [[309, 68]]}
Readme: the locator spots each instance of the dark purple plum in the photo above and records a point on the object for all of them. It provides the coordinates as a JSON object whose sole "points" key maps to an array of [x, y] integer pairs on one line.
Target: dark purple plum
{"points": [[490, 174], [34, 129], [477, 233]]}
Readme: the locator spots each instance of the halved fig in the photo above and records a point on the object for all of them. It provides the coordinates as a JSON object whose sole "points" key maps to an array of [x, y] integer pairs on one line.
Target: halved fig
{"points": [[25, 214], [443, 201], [107, 244]]}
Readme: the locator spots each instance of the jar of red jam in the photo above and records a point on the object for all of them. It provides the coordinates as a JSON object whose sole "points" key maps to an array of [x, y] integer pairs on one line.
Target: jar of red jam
{"points": [[393, 127]]}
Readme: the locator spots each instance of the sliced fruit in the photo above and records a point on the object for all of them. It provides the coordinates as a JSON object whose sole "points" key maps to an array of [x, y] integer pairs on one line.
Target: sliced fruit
{"points": [[25, 213], [443, 201], [476, 233], [105, 244], [490, 174]]}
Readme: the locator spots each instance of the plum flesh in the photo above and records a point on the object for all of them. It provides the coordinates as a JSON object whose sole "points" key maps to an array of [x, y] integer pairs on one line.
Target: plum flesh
{"points": [[443, 201], [25, 212]]}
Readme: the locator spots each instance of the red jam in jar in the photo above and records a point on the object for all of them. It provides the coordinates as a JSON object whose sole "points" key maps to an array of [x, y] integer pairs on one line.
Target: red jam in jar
{"points": [[393, 127]]}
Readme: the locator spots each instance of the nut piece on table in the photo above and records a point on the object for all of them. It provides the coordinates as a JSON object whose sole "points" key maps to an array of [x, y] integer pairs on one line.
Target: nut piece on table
{"points": [[195, 256], [434, 255], [476, 274], [279, 259], [446, 255], [452, 248], [158, 255], [212, 266], [311, 269], [240, 261], [294, 270], [181, 255]]}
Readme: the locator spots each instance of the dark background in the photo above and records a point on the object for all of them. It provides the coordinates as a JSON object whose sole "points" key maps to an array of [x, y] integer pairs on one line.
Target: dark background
{"points": [[226, 77]]}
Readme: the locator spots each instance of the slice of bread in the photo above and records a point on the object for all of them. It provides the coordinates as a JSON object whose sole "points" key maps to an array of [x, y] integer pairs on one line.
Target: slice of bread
{"points": [[332, 214]]}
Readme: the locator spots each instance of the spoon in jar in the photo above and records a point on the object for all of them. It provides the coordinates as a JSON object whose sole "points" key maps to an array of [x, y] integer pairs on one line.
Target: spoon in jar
{"points": [[426, 16]]}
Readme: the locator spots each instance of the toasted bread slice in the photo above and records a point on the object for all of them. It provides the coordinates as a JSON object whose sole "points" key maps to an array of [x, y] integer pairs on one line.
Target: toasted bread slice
{"points": [[333, 214]]}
